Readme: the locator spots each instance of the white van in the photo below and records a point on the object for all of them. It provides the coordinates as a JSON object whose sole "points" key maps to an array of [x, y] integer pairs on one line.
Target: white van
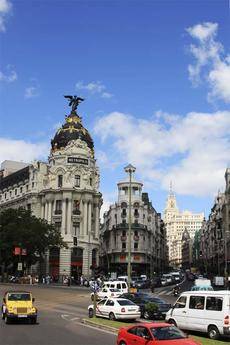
{"points": [[116, 284], [204, 311]]}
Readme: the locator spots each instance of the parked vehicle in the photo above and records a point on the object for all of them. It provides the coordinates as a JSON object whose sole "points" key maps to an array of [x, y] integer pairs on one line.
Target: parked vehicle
{"points": [[204, 311], [176, 276], [106, 293], [142, 284], [116, 309], [153, 334], [168, 277], [18, 305], [117, 284], [142, 299]]}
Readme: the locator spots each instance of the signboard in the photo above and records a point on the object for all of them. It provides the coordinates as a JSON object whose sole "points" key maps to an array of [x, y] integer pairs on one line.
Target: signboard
{"points": [[24, 252], [77, 160], [20, 266], [17, 251]]}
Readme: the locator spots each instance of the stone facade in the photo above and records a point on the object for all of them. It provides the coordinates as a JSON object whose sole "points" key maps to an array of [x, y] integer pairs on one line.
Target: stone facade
{"points": [[148, 241], [215, 234], [176, 223], [65, 192]]}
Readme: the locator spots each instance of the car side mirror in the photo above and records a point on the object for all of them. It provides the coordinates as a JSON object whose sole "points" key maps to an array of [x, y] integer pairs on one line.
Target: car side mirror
{"points": [[4, 300], [33, 299]]}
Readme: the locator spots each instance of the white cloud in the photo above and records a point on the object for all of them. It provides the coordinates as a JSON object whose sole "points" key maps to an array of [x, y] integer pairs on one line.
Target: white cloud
{"points": [[20, 150], [10, 76], [31, 92], [191, 150], [5, 9], [210, 63], [94, 87]]}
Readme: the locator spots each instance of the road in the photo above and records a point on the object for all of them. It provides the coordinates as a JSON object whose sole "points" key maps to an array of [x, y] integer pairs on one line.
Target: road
{"points": [[61, 310], [59, 323]]}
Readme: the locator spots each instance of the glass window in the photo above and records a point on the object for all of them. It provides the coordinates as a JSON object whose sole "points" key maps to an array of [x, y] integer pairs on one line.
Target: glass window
{"points": [[214, 303], [125, 302], [110, 303], [167, 333], [19, 297], [132, 330], [90, 181], [196, 302], [77, 180], [123, 286], [181, 302], [76, 229], [142, 332], [58, 206], [135, 245], [119, 286], [15, 192], [102, 302], [60, 181], [123, 245]]}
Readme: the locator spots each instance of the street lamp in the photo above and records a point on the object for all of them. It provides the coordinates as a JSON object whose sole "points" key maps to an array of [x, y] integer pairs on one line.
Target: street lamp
{"points": [[130, 170]]}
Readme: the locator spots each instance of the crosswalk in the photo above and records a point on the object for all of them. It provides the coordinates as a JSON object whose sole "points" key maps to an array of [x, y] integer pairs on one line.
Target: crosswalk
{"points": [[164, 292]]}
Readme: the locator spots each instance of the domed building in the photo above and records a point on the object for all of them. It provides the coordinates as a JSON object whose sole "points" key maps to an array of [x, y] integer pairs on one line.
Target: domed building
{"points": [[65, 192]]}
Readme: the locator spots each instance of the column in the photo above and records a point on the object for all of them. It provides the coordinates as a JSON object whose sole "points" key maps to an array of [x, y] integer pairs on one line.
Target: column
{"points": [[65, 263], [69, 218], [85, 219], [46, 210], [43, 211], [97, 222], [81, 221], [49, 211], [89, 217], [63, 220]]}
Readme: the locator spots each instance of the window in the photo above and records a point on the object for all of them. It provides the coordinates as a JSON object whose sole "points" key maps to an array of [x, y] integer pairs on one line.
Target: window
{"points": [[196, 302], [58, 226], [101, 302], [29, 207], [119, 286], [16, 192], [76, 229], [10, 194], [90, 181], [110, 303], [5, 195], [132, 330], [123, 245], [135, 233], [124, 286], [123, 233], [58, 208], [181, 302], [32, 184], [142, 332], [21, 189], [60, 181], [77, 180], [135, 245], [214, 303]]}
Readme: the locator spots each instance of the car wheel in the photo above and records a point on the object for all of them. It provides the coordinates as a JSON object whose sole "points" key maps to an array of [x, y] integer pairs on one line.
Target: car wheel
{"points": [[172, 322], [213, 332], [146, 315], [33, 321], [90, 312], [122, 343], [112, 317]]}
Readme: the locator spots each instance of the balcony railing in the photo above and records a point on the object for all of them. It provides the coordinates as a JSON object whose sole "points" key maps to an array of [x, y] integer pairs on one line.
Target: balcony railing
{"points": [[123, 238], [57, 211], [136, 238], [76, 212]]}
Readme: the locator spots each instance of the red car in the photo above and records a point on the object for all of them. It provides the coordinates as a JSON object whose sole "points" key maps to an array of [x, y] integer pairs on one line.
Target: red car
{"points": [[153, 334]]}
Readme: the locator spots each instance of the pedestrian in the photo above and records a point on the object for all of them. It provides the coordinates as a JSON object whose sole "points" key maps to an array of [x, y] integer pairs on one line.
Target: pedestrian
{"points": [[82, 280]]}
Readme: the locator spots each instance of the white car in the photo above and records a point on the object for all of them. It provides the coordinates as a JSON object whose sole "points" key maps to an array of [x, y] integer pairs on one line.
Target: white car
{"points": [[116, 309], [106, 293]]}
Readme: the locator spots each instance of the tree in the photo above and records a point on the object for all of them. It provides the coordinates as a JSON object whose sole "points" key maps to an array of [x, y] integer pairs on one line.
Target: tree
{"points": [[19, 228]]}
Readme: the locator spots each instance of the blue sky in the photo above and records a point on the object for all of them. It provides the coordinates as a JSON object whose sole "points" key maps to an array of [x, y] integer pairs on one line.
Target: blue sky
{"points": [[156, 79]]}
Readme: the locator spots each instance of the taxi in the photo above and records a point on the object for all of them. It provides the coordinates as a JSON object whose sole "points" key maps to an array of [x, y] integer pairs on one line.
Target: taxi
{"points": [[18, 305]]}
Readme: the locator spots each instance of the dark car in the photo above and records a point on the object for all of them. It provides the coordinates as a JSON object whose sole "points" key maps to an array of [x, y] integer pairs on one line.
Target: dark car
{"points": [[142, 299], [142, 284]]}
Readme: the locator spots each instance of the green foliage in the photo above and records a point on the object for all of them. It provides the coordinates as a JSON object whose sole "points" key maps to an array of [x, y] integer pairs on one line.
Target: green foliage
{"points": [[18, 228], [151, 307]]}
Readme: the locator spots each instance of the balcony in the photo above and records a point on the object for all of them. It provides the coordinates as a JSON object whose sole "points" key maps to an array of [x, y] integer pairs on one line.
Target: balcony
{"points": [[123, 238], [136, 238], [76, 212], [57, 211]]}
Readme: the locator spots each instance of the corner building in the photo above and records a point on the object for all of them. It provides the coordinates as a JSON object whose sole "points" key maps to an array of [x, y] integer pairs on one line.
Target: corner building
{"points": [[63, 191]]}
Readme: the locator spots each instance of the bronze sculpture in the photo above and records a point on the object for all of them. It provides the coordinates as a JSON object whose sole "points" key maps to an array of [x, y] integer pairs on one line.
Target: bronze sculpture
{"points": [[74, 102]]}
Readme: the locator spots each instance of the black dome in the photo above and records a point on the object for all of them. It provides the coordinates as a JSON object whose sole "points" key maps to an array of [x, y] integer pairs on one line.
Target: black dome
{"points": [[71, 130]]}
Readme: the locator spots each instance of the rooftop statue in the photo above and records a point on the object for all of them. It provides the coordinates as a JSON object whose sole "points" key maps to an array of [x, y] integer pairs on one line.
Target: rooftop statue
{"points": [[74, 102]]}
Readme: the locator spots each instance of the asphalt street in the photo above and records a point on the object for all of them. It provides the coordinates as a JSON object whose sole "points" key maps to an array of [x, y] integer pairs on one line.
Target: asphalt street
{"points": [[61, 310]]}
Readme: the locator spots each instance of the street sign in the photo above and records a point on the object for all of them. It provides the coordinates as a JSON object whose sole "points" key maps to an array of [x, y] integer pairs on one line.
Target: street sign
{"points": [[17, 251], [20, 266]]}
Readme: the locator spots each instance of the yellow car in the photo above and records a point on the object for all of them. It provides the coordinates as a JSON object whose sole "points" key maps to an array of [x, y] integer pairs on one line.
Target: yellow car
{"points": [[18, 305]]}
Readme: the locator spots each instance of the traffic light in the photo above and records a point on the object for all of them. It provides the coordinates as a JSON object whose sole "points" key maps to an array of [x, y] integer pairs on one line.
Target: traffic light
{"points": [[75, 241]]}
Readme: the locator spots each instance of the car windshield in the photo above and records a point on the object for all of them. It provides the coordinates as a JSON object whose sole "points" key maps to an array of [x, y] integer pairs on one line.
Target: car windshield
{"points": [[19, 297], [167, 333], [125, 302]]}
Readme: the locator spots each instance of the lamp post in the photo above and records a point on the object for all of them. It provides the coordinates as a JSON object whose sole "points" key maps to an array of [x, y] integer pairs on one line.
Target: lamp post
{"points": [[130, 170]]}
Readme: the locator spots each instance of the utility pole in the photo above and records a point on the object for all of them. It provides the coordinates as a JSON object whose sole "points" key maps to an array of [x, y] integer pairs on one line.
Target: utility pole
{"points": [[129, 169]]}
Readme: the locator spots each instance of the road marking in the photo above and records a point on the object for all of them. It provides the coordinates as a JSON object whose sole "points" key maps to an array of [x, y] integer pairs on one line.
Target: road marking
{"points": [[75, 318]]}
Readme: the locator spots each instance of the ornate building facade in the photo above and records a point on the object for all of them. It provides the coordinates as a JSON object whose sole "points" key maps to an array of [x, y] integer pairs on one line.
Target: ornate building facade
{"points": [[148, 238], [65, 192], [176, 223]]}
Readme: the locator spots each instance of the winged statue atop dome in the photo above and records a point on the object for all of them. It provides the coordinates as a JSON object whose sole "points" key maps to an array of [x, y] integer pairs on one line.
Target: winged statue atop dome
{"points": [[74, 102]]}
